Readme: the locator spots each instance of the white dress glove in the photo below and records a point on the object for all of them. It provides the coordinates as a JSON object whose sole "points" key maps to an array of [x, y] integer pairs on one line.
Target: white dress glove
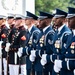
{"points": [[1, 43], [58, 63], [56, 69], [33, 53], [74, 71], [43, 60], [7, 47], [44, 57], [32, 58], [1, 48], [20, 51]]}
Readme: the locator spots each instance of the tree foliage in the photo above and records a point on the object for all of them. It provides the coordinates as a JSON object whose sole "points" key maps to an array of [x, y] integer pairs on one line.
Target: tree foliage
{"points": [[50, 5]]}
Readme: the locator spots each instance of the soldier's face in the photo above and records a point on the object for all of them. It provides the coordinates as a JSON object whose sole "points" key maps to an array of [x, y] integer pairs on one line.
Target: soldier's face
{"points": [[10, 21], [23, 21], [37, 22], [42, 23], [71, 23], [58, 22], [4, 21], [18, 22], [66, 22], [28, 21], [48, 21], [1, 21]]}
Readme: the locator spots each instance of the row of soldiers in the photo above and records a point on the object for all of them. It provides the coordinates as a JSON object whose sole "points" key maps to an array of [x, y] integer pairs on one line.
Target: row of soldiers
{"points": [[14, 37], [44, 49]]}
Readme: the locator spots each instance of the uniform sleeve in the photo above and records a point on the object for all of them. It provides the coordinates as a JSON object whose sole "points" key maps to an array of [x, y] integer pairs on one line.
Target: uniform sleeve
{"points": [[68, 65], [23, 39], [4, 37], [49, 43], [35, 40], [36, 35]]}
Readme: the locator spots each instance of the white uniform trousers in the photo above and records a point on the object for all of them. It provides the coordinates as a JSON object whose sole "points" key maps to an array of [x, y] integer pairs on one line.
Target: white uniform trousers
{"points": [[14, 69], [23, 69], [5, 66]]}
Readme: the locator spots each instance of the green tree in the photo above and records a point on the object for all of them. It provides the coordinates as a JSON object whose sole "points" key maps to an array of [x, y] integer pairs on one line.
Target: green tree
{"points": [[50, 5]]}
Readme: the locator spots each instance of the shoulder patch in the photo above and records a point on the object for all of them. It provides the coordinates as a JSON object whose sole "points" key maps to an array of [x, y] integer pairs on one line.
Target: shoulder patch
{"points": [[3, 36], [23, 38]]}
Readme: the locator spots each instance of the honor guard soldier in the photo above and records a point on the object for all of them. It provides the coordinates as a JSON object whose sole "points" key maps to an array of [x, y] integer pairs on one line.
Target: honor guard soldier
{"points": [[2, 17], [8, 23], [4, 39], [22, 40], [45, 44], [62, 33], [17, 38], [33, 40], [68, 64]]}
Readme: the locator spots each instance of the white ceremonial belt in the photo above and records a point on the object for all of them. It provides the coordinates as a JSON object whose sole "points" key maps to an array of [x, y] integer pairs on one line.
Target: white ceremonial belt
{"points": [[66, 59]]}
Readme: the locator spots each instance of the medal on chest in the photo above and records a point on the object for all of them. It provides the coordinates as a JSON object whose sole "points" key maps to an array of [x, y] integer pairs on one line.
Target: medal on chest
{"points": [[72, 47], [58, 44], [42, 41]]}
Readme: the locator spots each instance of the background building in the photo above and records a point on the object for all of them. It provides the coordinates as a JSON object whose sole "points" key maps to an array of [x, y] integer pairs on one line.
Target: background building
{"points": [[17, 6]]}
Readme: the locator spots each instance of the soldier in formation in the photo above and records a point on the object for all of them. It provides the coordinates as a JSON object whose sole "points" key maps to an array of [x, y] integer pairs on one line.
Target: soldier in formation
{"points": [[45, 49]]}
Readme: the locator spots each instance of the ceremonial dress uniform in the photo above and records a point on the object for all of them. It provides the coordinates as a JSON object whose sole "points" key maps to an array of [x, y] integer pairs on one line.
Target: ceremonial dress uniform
{"points": [[17, 39], [31, 46], [44, 46], [67, 65], [60, 39], [33, 32], [3, 39]]}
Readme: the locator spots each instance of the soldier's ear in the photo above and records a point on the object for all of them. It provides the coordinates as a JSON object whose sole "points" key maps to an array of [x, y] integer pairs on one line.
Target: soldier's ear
{"points": [[47, 20], [63, 20], [33, 21], [50, 20]]}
